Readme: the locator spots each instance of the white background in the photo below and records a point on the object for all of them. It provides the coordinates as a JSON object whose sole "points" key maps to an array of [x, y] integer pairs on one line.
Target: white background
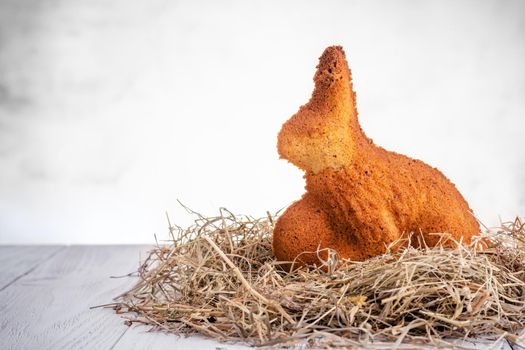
{"points": [[112, 110]]}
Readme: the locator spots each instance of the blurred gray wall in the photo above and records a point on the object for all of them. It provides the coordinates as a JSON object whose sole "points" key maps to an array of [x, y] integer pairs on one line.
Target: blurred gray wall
{"points": [[111, 110]]}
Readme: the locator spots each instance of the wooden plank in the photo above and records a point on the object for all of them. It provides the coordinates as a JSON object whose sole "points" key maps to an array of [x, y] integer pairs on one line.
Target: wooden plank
{"points": [[16, 261], [137, 337], [482, 344], [49, 307]]}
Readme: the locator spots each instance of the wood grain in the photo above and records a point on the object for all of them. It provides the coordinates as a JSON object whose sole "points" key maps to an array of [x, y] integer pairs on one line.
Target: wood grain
{"points": [[139, 338], [49, 307], [16, 261]]}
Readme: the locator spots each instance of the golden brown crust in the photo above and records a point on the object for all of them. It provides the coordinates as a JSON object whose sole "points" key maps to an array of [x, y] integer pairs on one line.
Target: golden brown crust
{"points": [[359, 197]]}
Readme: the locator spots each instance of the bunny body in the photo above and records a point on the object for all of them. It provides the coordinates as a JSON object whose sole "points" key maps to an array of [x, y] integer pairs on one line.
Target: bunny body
{"points": [[359, 197]]}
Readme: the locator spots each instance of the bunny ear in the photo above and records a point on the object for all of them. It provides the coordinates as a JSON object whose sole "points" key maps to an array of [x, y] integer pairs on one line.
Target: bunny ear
{"points": [[332, 63], [333, 79]]}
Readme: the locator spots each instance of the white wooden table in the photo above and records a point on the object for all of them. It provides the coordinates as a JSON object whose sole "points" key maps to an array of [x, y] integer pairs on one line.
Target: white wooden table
{"points": [[46, 293]]}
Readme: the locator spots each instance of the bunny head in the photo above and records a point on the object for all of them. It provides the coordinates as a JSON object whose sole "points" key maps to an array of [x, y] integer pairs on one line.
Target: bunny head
{"points": [[322, 133]]}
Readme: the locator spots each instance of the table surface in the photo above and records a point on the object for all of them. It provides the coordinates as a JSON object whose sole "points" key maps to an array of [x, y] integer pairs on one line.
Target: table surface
{"points": [[46, 293]]}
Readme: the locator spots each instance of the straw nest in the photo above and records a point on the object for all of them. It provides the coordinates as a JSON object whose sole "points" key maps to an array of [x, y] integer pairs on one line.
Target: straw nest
{"points": [[219, 278]]}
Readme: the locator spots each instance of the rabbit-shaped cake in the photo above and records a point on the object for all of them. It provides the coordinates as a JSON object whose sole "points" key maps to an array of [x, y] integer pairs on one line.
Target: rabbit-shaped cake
{"points": [[359, 197]]}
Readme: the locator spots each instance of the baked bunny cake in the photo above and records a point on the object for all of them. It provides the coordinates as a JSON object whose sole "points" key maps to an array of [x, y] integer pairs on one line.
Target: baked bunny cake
{"points": [[359, 197]]}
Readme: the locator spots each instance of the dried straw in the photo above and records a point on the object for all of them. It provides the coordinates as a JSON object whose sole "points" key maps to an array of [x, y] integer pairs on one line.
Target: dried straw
{"points": [[219, 278]]}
